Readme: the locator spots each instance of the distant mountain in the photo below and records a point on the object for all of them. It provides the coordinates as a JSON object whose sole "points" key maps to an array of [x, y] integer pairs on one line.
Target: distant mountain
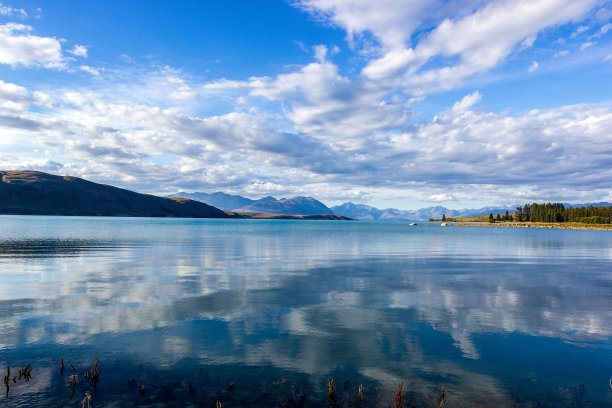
{"points": [[32, 192], [357, 211], [295, 206], [599, 204], [365, 212], [220, 200]]}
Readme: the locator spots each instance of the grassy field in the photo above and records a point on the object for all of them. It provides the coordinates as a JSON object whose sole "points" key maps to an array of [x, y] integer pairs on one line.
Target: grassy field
{"points": [[484, 221]]}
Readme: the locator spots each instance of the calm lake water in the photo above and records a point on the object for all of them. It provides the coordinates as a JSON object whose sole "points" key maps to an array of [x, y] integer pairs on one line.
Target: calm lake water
{"points": [[260, 312]]}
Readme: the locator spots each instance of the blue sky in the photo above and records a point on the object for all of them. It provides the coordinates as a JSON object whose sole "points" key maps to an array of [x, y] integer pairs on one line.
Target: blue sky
{"points": [[390, 103]]}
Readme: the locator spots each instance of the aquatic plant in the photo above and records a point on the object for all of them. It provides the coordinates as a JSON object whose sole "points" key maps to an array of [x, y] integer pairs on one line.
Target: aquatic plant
{"points": [[95, 374], [218, 404], [6, 380], [26, 373], [442, 398], [331, 392], [86, 399], [399, 398], [360, 392]]}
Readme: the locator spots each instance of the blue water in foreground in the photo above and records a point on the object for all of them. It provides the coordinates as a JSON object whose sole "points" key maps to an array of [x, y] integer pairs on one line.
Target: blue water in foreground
{"points": [[260, 312]]}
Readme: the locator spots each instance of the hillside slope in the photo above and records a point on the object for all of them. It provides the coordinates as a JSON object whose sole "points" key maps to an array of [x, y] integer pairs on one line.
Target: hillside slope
{"points": [[32, 192]]}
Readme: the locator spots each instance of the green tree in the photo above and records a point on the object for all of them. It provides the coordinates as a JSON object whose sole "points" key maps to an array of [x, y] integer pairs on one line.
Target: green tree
{"points": [[443, 217], [491, 220], [507, 216]]}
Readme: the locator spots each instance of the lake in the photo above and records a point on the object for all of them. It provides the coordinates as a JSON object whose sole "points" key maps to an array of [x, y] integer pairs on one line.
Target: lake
{"points": [[262, 313]]}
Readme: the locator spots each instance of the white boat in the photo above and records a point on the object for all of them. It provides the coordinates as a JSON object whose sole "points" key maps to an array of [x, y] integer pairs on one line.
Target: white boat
{"points": [[443, 224], [413, 223]]}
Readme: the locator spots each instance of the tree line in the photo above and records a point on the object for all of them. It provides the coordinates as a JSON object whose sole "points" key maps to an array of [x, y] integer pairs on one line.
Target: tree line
{"points": [[557, 212]]}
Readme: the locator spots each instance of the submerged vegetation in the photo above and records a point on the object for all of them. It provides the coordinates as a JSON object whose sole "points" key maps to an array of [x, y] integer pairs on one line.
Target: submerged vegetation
{"points": [[203, 390]]}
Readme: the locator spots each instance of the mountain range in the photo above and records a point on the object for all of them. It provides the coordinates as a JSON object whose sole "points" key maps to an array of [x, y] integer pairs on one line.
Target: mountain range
{"points": [[220, 200], [266, 205], [309, 206]]}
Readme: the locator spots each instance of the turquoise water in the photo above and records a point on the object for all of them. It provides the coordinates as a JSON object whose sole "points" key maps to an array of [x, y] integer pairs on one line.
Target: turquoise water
{"points": [[517, 317]]}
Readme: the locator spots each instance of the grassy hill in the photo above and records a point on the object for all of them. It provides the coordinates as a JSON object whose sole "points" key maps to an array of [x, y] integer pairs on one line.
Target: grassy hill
{"points": [[32, 192]]}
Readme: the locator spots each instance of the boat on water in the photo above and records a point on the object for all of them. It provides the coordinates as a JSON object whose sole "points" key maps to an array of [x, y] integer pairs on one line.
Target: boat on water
{"points": [[413, 223], [444, 224]]}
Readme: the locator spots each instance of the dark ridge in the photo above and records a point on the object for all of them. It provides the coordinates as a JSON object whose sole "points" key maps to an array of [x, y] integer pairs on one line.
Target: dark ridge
{"points": [[37, 193]]}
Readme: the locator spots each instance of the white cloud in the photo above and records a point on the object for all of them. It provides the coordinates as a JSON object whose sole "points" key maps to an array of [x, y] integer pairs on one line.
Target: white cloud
{"points": [[320, 53], [79, 51], [183, 93], [561, 53], [89, 69], [528, 42], [126, 58], [579, 30], [459, 147], [481, 40], [19, 47], [439, 198], [586, 45], [10, 11], [327, 105], [608, 57], [391, 21], [466, 103], [13, 97], [534, 65]]}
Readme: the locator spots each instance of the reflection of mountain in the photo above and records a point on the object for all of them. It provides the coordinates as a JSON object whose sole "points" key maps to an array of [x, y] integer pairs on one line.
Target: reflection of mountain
{"points": [[31, 192]]}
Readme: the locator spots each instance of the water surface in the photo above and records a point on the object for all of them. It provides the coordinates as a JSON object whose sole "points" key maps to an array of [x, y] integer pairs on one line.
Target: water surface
{"points": [[499, 316]]}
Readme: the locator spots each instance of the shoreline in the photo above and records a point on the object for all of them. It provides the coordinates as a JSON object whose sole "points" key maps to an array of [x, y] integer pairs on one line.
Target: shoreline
{"points": [[565, 225]]}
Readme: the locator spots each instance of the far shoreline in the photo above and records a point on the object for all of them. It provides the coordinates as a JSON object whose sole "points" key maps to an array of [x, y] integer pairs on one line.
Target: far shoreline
{"points": [[559, 225]]}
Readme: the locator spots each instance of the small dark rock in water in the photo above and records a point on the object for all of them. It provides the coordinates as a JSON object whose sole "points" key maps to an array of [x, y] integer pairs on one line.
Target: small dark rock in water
{"points": [[231, 386]]}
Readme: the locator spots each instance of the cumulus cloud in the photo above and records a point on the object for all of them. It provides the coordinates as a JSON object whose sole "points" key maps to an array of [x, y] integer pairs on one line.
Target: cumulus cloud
{"points": [[329, 127], [391, 21], [328, 105], [19, 47], [79, 51], [439, 198], [457, 148], [480, 40], [13, 97]]}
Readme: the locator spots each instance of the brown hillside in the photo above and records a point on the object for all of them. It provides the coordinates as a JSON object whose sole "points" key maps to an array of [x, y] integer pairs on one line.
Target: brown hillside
{"points": [[32, 192]]}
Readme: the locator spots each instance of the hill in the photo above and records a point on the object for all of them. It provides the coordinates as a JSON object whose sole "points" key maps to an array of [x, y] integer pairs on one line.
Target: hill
{"points": [[32, 192]]}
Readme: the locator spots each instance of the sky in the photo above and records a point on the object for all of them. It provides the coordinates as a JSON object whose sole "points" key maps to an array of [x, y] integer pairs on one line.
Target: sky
{"points": [[402, 104]]}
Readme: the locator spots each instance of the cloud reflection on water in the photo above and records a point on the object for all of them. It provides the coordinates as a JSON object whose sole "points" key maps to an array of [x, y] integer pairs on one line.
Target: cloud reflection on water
{"points": [[386, 303]]}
